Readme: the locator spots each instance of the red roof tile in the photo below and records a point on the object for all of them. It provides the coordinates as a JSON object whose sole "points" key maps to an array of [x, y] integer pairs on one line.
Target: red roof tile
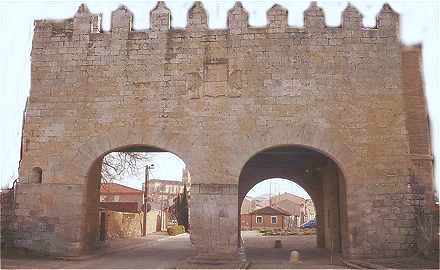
{"points": [[117, 189], [270, 211]]}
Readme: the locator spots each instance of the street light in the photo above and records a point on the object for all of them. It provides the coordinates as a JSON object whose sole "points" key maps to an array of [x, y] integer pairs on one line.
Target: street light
{"points": [[148, 167]]}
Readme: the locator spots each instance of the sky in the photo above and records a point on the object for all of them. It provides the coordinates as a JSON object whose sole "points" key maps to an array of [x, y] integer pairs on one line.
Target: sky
{"points": [[167, 166], [276, 186], [420, 21]]}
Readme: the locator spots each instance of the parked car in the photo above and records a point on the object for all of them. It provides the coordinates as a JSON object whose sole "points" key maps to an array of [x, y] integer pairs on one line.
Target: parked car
{"points": [[309, 224]]}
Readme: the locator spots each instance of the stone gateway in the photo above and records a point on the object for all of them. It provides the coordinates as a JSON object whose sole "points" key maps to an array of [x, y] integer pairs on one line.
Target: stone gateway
{"points": [[339, 110]]}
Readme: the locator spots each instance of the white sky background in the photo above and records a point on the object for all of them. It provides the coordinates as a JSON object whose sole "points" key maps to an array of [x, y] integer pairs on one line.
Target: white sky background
{"points": [[420, 21], [276, 186], [167, 166]]}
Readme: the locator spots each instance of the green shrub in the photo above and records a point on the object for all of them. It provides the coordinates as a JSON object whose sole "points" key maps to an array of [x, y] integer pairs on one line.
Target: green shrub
{"points": [[175, 230]]}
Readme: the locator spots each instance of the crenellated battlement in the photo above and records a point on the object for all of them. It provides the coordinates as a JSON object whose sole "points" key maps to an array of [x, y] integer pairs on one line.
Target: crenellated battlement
{"points": [[85, 22]]}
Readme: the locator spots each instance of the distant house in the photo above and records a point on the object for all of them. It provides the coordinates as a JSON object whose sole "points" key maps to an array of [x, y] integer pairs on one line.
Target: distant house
{"points": [[112, 192], [300, 210], [161, 196], [287, 196], [168, 188], [121, 213], [162, 193], [248, 206], [264, 218], [296, 212]]}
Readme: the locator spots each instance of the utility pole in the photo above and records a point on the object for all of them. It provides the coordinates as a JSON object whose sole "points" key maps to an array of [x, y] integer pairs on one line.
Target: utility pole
{"points": [[161, 206], [270, 193], [148, 167]]}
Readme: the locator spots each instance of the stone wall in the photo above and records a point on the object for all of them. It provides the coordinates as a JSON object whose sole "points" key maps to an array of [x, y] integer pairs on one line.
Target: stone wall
{"points": [[7, 218], [129, 225], [215, 98], [123, 225], [49, 218], [330, 213]]}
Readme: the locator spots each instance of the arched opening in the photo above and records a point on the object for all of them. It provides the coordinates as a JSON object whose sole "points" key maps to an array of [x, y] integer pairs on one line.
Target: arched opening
{"points": [[136, 191], [277, 209], [318, 174]]}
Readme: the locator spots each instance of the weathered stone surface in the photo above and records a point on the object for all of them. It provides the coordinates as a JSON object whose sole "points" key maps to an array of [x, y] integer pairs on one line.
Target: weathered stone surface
{"points": [[216, 98]]}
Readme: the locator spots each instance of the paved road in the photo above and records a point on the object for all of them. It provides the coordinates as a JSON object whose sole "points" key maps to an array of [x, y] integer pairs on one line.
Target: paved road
{"points": [[261, 253], [159, 251], [163, 252]]}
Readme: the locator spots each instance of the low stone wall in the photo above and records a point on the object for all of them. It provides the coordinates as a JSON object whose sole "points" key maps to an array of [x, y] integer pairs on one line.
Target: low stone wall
{"points": [[123, 225], [129, 225]]}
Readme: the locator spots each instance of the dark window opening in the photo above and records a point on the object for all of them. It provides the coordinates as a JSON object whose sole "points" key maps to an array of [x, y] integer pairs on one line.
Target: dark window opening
{"points": [[37, 175]]}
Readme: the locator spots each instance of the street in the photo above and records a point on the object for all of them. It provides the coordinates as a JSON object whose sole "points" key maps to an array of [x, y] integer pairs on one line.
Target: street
{"points": [[261, 253], [159, 251], [152, 252]]}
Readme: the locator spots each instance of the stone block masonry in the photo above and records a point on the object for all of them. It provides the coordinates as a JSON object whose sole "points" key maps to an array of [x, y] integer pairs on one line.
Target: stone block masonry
{"points": [[215, 98]]}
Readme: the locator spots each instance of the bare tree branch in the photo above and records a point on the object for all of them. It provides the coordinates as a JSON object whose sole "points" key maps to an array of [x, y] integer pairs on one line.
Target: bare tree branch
{"points": [[117, 164]]}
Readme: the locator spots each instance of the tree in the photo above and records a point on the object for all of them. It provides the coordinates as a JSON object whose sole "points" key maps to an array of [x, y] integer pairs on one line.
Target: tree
{"points": [[182, 208], [117, 164]]}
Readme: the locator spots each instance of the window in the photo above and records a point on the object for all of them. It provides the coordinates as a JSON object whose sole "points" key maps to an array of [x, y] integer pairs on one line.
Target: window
{"points": [[273, 219], [116, 198], [259, 219], [36, 175]]}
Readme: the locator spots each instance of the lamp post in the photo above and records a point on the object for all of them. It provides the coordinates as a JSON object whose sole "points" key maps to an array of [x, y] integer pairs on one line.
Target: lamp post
{"points": [[148, 167]]}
